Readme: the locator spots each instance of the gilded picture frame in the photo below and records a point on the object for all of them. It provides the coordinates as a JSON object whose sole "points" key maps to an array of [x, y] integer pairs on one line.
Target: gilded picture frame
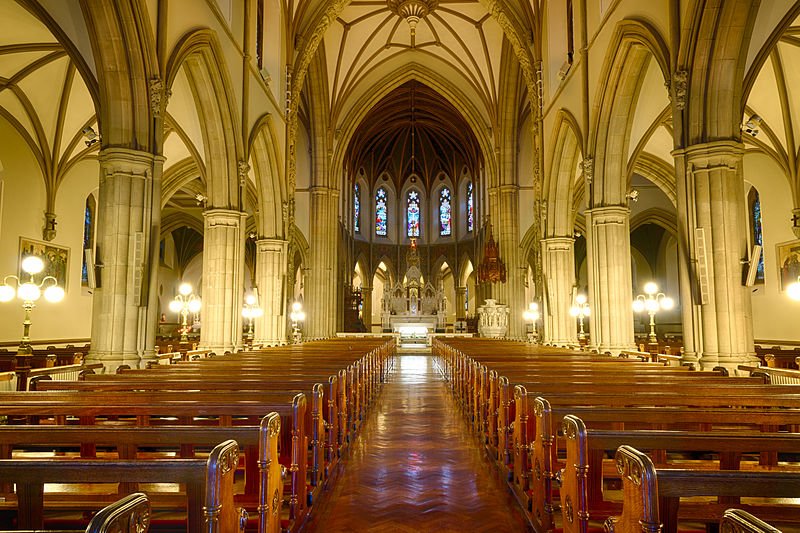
{"points": [[56, 260], [788, 262]]}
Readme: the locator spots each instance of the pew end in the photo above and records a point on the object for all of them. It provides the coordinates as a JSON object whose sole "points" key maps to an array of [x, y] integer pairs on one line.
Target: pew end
{"points": [[640, 491], [131, 513], [739, 521]]}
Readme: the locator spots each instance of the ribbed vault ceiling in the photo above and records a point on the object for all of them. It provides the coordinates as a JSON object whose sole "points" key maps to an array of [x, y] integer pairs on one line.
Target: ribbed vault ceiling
{"points": [[413, 131]]}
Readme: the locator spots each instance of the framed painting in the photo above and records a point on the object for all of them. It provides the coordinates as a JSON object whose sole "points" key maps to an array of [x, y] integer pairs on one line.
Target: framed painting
{"points": [[788, 262], [56, 260]]}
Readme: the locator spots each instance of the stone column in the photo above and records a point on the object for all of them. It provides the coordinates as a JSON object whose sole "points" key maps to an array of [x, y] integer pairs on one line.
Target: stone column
{"points": [[223, 280], [461, 302], [125, 230], [512, 292], [271, 266], [321, 285], [366, 307], [558, 262], [718, 239], [610, 292]]}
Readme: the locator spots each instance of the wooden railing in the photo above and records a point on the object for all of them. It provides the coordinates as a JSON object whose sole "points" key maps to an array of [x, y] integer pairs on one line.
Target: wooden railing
{"points": [[775, 376]]}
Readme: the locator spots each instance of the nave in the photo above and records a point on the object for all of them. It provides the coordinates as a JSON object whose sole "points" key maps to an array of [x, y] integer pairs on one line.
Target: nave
{"points": [[416, 466]]}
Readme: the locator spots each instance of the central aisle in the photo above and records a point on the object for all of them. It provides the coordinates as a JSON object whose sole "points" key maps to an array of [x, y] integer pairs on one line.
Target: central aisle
{"points": [[416, 467]]}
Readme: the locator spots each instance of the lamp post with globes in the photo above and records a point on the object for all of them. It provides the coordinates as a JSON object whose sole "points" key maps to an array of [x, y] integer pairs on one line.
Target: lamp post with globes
{"points": [[184, 303], [793, 290], [297, 315], [251, 311], [30, 292], [580, 310], [652, 301], [531, 315]]}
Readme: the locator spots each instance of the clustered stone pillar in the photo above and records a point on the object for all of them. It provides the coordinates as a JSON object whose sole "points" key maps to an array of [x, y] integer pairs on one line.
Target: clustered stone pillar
{"points": [[609, 259], [271, 265], [223, 272], [719, 231], [511, 292], [320, 294], [558, 262], [124, 233]]}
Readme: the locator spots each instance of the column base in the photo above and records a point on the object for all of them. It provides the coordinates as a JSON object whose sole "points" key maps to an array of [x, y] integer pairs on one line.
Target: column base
{"points": [[113, 360]]}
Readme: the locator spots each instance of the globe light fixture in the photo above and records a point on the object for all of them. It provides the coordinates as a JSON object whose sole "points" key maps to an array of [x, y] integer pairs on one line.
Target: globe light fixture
{"points": [[792, 291], [30, 292], [184, 303], [652, 302], [580, 311], [297, 315], [531, 315], [251, 311]]}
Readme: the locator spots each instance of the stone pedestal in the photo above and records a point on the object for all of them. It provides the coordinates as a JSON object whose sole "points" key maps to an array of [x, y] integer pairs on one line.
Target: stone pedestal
{"points": [[126, 228], [493, 320], [271, 264], [609, 255], [223, 287], [558, 262]]}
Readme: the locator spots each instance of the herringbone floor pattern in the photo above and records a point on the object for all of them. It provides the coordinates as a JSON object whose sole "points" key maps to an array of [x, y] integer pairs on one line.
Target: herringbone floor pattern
{"points": [[415, 466]]}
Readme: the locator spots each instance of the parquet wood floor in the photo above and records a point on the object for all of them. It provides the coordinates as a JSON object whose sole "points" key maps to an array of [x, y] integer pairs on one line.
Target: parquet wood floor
{"points": [[416, 467]]}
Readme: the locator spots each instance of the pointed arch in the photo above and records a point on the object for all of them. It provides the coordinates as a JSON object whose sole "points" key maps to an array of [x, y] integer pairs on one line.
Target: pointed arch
{"points": [[632, 47], [270, 186], [199, 53], [561, 179]]}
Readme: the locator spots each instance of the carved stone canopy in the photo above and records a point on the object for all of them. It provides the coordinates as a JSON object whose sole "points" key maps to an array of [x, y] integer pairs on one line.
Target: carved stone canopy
{"points": [[492, 269]]}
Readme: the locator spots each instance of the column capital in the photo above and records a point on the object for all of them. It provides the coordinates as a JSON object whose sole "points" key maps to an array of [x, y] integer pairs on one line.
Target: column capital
{"points": [[224, 217], [128, 161], [558, 242], [271, 245], [609, 214], [712, 155]]}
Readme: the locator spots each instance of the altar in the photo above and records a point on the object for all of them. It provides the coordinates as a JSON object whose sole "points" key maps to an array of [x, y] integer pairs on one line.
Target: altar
{"points": [[413, 308]]}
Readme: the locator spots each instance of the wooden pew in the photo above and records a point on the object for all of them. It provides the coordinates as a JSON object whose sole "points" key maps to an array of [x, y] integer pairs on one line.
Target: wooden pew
{"points": [[150, 409], [652, 496], [261, 442], [209, 484], [778, 376], [582, 475], [526, 446]]}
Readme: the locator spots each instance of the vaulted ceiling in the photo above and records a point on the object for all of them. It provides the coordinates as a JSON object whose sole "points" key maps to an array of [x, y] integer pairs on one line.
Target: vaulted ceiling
{"points": [[413, 131], [458, 37], [43, 95]]}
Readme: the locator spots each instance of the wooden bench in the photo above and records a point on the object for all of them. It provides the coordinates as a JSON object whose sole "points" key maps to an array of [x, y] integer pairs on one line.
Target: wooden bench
{"points": [[260, 444], [583, 472], [209, 484], [652, 497]]}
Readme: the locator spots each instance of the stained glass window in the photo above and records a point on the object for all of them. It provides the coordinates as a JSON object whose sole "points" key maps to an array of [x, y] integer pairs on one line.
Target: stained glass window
{"points": [[381, 212], [470, 208], [756, 230], [412, 212], [88, 236], [444, 212], [357, 209]]}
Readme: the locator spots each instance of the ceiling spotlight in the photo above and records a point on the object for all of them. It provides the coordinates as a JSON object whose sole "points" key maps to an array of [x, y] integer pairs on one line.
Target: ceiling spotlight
{"points": [[751, 126], [201, 198], [90, 135], [633, 196]]}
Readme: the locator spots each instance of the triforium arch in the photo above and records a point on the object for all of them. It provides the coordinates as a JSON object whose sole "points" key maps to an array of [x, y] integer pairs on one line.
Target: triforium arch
{"points": [[634, 44]]}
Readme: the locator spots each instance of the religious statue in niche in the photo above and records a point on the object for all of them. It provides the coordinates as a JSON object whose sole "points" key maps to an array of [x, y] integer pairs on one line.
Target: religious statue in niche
{"points": [[492, 269]]}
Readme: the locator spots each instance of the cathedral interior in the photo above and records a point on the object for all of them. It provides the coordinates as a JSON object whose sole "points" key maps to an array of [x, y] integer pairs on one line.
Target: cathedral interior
{"points": [[608, 177]]}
